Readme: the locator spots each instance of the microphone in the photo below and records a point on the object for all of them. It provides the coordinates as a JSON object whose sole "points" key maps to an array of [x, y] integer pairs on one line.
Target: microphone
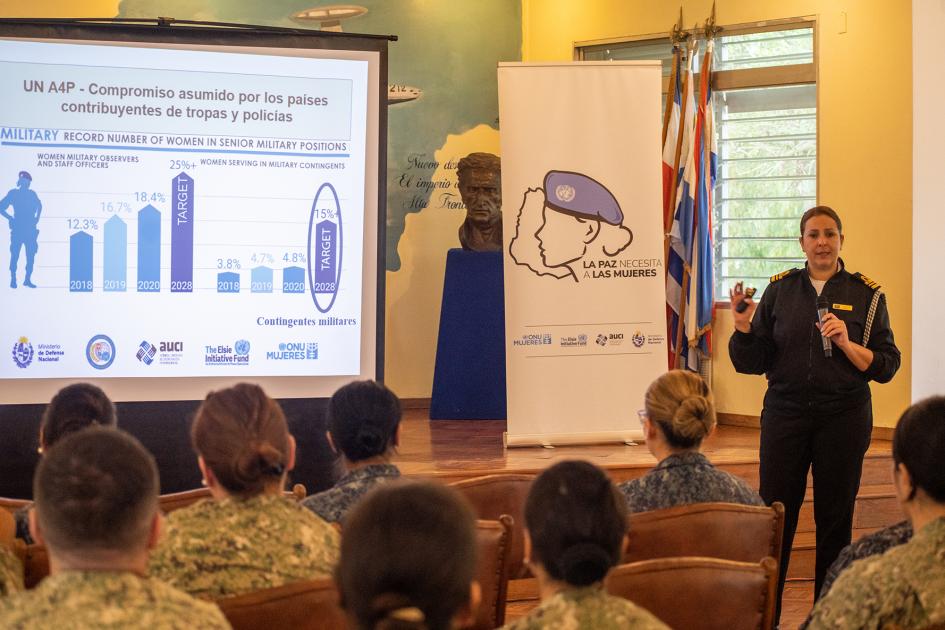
{"points": [[822, 309]]}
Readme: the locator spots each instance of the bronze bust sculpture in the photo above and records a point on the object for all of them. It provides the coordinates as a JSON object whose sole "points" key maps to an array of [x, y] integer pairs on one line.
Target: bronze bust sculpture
{"points": [[481, 190]]}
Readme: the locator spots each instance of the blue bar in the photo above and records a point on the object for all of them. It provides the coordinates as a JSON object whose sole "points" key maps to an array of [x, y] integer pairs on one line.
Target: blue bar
{"points": [[182, 234], [116, 255], [261, 280], [228, 282], [149, 250], [327, 257], [293, 280], [80, 262]]}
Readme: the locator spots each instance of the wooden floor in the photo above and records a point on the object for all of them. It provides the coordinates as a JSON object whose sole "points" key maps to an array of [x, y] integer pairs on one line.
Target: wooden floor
{"points": [[452, 450]]}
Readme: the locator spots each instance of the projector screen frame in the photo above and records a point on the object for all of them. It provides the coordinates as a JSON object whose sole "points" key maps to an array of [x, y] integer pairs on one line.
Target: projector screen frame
{"points": [[201, 34]]}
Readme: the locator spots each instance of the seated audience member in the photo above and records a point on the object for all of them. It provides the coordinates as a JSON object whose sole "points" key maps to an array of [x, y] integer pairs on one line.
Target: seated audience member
{"points": [[73, 407], [11, 572], [408, 559], [248, 536], [97, 514], [363, 425], [875, 544], [904, 587], [575, 530], [680, 413]]}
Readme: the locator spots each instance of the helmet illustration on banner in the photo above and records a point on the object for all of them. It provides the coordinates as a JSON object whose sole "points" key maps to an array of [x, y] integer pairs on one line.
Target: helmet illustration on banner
{"points": [[576, 216]]}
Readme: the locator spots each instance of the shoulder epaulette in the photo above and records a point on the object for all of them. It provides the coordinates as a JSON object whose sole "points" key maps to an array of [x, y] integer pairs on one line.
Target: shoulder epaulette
{"points": [[867, 281], [783, 274]]}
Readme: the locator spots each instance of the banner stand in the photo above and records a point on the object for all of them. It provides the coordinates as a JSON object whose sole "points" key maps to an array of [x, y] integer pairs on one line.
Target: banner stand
{"points": [[585, 282]]}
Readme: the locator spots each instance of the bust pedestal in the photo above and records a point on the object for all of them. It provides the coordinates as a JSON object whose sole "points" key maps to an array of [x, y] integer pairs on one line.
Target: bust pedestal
{"points": [[469, 378]]}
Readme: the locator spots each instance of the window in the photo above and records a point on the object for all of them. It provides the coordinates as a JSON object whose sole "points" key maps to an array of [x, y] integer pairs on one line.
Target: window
{"points": [[766, 116]]}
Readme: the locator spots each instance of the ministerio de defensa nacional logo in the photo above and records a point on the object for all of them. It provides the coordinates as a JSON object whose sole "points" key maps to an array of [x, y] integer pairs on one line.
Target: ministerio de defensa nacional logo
{"points": [[22, 352], [100, 352]]}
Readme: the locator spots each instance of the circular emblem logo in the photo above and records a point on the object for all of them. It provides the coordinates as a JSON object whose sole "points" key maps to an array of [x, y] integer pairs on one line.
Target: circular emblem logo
{"points": [[241, 348], [638, 339], [22, 352], [564, 192], [100, 352]]}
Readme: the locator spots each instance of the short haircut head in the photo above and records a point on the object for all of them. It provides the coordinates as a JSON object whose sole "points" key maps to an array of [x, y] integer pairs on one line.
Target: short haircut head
{"points": [[75, 407], [407, 545], [576, 520], [478, 161], [818, 211], [363, 417], [243, 438], [96, 489], [681, 404], [919, 444]]}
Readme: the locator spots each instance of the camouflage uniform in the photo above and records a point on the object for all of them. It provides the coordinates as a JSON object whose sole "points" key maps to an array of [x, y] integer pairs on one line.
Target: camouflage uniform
{"points": [[875, 544], [106, 599], [904, 587], [686, 478], [334, 503], [11, 572], [215, 549], [589, 608]]}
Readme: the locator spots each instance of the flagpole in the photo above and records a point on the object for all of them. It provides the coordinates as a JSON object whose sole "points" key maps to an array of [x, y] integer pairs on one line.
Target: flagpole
{"points": [[671, 95], [674, 35]]}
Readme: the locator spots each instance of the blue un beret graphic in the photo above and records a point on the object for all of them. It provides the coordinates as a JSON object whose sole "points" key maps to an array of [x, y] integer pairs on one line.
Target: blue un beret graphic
{"points": [[582, 196]]}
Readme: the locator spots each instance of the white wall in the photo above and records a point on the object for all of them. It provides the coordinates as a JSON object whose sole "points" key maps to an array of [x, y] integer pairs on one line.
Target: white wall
{"points": [[928, 204]]}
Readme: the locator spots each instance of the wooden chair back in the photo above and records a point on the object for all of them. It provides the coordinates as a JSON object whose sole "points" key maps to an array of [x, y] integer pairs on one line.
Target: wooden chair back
{"points": [[7, 529], [493, 496], [494, 542], [178, 500], [308, 605], [35, 563], [744, 533], [13, 505], [705, 593]]}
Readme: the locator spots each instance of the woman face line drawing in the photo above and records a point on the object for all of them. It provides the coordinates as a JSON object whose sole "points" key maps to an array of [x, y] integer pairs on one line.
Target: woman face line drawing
{"points": [[563, 238]]}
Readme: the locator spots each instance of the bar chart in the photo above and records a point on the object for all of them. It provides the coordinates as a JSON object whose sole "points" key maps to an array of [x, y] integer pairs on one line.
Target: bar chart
{"points": [[158, 263]]}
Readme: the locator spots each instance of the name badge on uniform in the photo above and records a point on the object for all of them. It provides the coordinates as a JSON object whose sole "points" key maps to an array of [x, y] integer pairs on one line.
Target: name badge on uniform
{"points": [[842, 307]]}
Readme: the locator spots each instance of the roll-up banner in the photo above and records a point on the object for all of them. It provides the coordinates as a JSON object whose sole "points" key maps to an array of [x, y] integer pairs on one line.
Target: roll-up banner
{"points": [[585, 305]]}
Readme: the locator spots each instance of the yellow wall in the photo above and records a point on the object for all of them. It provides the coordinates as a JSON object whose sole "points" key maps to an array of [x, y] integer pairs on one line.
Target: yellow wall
{"points": [[865, 138]]}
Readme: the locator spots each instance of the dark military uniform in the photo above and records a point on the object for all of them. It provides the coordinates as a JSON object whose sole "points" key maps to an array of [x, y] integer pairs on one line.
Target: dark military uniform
{"points": [[683, 479], [588, 608], [11, 572], [333, 504], [875, 544], [817, 410], [214, 549], [903, 588], [77, 600], [22, 518]]}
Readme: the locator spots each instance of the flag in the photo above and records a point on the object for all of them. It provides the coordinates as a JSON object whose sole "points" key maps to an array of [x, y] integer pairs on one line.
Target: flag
{"points": [[680, 235], [701, 289], [671, 124]]}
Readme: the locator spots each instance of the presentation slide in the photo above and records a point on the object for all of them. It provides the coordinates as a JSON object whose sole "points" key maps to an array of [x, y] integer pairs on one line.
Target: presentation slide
{"points": [[173, 212]]}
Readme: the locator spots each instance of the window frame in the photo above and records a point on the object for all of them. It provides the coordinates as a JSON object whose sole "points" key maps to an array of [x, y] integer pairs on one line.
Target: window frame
{"points": [[747, 78]]}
